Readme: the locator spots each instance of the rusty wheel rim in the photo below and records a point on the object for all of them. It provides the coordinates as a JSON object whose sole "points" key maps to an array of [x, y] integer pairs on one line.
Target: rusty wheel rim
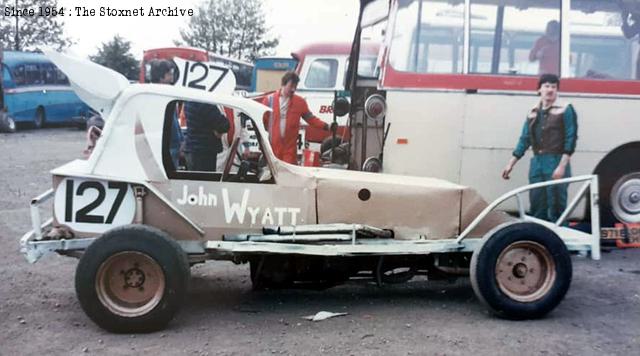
{"points": [[130, 283], [525, 271]]}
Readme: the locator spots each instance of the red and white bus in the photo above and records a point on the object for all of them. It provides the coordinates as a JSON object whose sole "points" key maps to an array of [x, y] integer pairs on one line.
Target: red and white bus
{"points": [[457, 79], [241, 69]]}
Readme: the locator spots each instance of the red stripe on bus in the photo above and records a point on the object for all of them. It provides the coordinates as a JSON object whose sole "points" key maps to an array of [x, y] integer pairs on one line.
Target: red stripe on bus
{"points": [[406, 80]]}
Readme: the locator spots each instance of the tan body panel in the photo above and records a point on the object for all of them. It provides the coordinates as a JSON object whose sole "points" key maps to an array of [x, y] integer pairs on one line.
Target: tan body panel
{"points": [[238, 208]]}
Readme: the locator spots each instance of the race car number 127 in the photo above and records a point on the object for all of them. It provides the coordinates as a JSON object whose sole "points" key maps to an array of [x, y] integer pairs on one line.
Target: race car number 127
{"points": [[206, 76], [92, 205]]}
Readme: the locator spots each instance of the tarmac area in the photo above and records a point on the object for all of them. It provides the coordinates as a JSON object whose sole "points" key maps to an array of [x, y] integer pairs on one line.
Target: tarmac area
{"points": [[40, 315]]}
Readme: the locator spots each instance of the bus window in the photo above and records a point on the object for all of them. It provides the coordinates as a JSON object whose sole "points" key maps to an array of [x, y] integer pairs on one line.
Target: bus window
{"points": [[18, 75], [48, 73], [32, 74], [507, 39], [61, 78], [599, 48], [437, 46], [322, 74], [6, 78]]}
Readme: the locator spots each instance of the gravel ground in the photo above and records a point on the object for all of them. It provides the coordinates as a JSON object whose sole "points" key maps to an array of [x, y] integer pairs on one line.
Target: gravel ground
{"points": [[39, 313]]}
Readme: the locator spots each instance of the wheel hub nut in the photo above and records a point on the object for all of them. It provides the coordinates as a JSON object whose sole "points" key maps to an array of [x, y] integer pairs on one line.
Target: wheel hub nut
{"points": [[134, 278], [520, 270]]}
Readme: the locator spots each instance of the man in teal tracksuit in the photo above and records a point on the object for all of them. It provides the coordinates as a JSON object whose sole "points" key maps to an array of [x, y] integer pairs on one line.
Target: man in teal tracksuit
{"points": [[551, 130]]}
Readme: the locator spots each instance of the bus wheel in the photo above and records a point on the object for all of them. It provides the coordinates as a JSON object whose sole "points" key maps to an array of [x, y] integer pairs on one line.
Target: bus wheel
{"points": [[7, 124], [132, 279], [521, 271], [618, 188], [625, 198], [40, 119]]}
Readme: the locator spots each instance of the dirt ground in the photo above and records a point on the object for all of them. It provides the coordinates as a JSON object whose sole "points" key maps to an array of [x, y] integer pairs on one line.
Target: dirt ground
{"points": [[39, 313]]}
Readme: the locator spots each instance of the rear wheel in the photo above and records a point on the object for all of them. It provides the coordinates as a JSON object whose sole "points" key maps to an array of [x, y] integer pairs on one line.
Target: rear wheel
{"points": [[521, 271], [40, 118], [7, 124], [132, 279]]}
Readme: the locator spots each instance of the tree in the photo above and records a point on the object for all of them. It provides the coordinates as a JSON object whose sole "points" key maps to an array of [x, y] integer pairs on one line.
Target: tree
{"points": [[234, 28], [35, 31], [116, 54]]}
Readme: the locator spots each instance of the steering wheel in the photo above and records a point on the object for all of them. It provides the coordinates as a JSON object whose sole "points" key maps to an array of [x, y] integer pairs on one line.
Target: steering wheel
{"points": [[244, 166]]}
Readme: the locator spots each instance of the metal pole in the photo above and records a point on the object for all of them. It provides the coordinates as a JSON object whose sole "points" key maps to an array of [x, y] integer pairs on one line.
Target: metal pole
{"points": [[17, 38]]}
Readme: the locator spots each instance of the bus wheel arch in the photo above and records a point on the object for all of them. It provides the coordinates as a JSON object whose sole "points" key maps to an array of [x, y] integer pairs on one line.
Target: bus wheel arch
{"points": [[619, 184], [40, 118]]}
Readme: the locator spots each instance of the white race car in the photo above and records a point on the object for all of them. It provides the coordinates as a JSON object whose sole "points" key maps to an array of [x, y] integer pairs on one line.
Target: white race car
{"points": [[136, 222]]}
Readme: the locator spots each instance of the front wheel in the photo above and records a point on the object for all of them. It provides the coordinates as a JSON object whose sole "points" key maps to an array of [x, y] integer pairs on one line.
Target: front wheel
{"points": [[132, 279], [521, 271], [7, 124], [40, 118]]}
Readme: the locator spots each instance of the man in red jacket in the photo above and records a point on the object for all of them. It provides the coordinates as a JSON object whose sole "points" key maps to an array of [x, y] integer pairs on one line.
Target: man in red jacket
{"points": [[283, 123]]}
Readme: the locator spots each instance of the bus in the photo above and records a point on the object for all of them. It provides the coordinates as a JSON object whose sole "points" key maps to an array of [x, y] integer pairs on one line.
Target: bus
{"points": [[454, 80], [241, 69], [35, 91]]}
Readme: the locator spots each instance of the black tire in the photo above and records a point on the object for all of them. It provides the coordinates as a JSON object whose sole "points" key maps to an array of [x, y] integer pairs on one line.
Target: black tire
{"points": [[611, 170], [7, 124], [153, 259], [499, 283], [271, 272], [40, 118]]}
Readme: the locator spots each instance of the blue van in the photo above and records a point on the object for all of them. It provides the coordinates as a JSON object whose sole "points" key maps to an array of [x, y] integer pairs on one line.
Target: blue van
{"points": [[35, 91]]}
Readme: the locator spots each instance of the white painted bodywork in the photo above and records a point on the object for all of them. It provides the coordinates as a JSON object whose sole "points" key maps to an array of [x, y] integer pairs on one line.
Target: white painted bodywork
{"points": [[96, 85]]}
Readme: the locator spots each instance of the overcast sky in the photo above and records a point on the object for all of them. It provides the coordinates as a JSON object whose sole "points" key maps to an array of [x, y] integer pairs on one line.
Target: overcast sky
{"points": [[294, 22]]}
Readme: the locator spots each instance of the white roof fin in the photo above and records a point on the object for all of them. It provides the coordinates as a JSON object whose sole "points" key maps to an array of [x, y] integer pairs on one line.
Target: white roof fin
{"points": [[96, 85]]}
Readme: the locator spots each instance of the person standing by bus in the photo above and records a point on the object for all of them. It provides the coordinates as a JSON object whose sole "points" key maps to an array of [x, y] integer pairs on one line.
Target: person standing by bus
{"points": [[551, 130], [283, 123], [630, 30], [546, 50]]}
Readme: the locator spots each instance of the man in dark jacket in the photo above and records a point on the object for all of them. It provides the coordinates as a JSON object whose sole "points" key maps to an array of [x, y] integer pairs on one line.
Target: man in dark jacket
{"points": [[205, 126], [551, 130]]}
